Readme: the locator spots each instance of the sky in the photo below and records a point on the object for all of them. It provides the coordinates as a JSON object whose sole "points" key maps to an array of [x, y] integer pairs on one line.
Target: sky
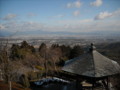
{"points": [[59, 15]]}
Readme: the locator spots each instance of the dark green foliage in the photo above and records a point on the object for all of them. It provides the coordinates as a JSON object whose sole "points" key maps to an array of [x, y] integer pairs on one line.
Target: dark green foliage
{"points": [[24, 44], [65, 51], [32, 49], [42, 46], [17, 52], [42, 49], [21, 51], [76, 51], [54, 46]]}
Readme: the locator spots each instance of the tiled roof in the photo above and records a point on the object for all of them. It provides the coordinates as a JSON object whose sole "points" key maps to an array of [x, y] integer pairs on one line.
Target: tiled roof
{"points": [[92, 64]]}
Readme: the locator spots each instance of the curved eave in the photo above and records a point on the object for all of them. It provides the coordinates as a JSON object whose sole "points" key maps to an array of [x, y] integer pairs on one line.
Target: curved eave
{"points": [[92, 64]]}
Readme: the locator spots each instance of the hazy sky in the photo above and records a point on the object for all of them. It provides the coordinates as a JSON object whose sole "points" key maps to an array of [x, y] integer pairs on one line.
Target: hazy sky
{"points": [[59, 15]]}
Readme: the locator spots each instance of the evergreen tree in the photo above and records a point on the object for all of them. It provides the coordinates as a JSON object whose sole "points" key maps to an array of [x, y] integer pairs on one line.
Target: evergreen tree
{"points": [[65, 51], [24, 44], [76, 51], [15, 51], [32, 49], [54, 46], [42, 49]]}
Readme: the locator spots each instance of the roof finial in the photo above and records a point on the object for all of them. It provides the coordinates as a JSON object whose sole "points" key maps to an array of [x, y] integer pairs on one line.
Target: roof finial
{"points": [[92, 47], [91, 44]]}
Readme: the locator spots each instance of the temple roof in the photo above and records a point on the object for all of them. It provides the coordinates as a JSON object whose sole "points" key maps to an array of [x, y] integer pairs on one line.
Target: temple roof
{"points": [[92, 64]]}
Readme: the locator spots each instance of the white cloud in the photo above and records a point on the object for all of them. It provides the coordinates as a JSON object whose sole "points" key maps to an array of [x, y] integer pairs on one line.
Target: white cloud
{"points": [[70, 25], [66, 26], [109, 25], [96, 3], [116, 13], [76, 4], [69, 5], [29, 26], [95, 26], [103, 15], [9, 16], [86, 25], [76, 13], [74, 22], [14, 26], [2, 27]]}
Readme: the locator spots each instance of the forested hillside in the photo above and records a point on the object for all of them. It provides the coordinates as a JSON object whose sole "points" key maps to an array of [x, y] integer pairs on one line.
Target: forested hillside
{"points": [[25, 61], [22, 63]]}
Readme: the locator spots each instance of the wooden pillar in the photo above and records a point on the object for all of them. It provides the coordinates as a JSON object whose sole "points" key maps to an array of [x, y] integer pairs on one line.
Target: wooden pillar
{"points": [[108, 80], [93, 83], [76, 84], [108, 83]]}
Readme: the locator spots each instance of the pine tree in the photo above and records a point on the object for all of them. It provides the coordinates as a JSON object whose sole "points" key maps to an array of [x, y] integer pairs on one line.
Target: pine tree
{"points": [[76, 51]]}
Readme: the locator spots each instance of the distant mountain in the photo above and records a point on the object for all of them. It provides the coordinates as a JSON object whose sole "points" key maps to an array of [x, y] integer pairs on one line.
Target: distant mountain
{"points": [[39, 32], [59, 33]]}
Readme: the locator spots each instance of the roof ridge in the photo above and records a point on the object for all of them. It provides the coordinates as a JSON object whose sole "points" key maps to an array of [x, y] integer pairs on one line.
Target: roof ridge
{"points": [[92, 64], [94, 69]]}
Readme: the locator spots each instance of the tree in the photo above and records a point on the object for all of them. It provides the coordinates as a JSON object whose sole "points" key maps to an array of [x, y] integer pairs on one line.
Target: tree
{"points": [[54, 56], [76, 51], [65, 51], [24, 44], [5, 64], [15, 51], [32, 49], [20, 52], [43, 54], [54, 46], [42, 50]]}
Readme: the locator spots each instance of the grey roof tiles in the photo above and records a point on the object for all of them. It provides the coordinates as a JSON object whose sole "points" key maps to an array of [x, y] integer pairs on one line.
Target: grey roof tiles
{"points": [[92, 64]]}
